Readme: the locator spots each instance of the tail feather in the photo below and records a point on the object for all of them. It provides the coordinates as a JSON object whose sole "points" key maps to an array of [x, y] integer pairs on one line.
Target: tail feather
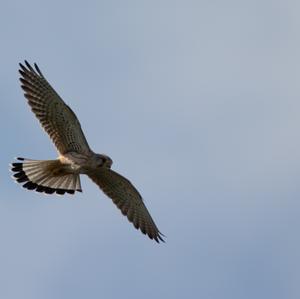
{"points": [[48, 176]]}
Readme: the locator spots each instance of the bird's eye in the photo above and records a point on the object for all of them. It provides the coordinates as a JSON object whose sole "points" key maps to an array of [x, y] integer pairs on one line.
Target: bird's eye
{"points": [[100, 163]]}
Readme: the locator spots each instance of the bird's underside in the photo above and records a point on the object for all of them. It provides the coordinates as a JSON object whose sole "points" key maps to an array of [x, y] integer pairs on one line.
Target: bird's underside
{"points": [[62, 175]]}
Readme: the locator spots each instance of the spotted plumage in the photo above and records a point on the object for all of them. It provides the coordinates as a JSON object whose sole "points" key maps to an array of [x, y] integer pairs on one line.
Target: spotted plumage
{"points": [[62, 175]]}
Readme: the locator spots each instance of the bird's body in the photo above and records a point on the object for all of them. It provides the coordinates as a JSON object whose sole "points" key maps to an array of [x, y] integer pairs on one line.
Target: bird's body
{"points": [[84, 164], [62, 175]]}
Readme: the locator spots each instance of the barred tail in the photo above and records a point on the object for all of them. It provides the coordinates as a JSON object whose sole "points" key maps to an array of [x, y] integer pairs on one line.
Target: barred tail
{"points": [[48, 176]]}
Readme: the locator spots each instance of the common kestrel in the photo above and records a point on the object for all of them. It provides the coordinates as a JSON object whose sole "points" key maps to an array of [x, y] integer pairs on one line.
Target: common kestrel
{"points": [[62, 175]]}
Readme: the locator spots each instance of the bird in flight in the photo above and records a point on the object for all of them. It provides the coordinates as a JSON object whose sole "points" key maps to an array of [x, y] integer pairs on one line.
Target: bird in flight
{"points": [[62, 175]]}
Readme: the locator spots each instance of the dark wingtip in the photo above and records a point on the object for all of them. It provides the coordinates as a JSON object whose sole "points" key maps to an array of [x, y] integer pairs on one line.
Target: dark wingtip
{"points": [[38, 70], [22, 66], [158, 238], [26, 67], [28, 64]]}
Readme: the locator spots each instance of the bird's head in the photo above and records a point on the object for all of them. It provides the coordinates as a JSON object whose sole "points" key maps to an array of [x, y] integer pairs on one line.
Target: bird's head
{"points": [[103, 161]]}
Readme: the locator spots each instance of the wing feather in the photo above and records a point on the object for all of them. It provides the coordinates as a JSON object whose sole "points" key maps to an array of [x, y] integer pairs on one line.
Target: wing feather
{"points": [[128, 200], [57, 119]]}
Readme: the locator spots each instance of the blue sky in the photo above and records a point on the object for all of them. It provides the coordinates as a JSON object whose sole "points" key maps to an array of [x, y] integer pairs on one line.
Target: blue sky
{"points": [[197, 102]]}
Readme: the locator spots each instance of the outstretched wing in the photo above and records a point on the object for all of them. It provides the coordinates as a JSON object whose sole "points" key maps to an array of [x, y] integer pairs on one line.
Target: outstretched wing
{"points": [[58, 120], [127, 199]]}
